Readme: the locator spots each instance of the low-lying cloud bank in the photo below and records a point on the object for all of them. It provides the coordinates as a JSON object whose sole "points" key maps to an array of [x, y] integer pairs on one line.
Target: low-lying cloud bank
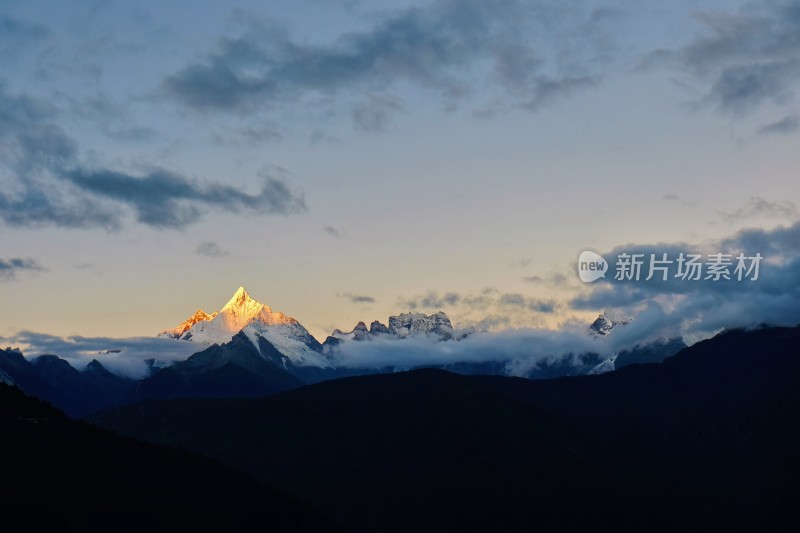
{"points": [[126, 357]]}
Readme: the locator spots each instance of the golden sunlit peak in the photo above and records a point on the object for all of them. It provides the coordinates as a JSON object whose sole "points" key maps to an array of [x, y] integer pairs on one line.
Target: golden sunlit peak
{"points": [[239, 297]]}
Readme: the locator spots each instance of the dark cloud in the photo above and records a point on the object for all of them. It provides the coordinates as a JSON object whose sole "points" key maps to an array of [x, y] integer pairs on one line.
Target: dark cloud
{"points": [[446, 47], [210, 249], [163, 199], [757, 207], [747, 58], [10, 268], [358, 298], [698, 307], [787, 125], [44, 181]]}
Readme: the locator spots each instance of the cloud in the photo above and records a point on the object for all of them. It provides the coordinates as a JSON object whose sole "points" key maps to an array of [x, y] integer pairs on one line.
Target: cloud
{"points": [[358, 298], [432, 300], [210, 249], [757, 207], [519, 350], [372, 114], [113, 119], [552, 279], [122, 356], [698, 308], [445, 47], [260, 134], [164, 199], [787, 125], [22, 31], [333, 232], [747, 58], [547, 89], [485, 309], [45, 182], [10, 268], [516, 300]]}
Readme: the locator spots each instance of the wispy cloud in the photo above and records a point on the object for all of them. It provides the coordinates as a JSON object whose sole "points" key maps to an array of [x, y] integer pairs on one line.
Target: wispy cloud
{"points": [[372, 113], [552, 279], [787, 125], [746, 58], [10, 268], [758, 207], [358, 298], [210, 249], [333, 232], [432, 301]]}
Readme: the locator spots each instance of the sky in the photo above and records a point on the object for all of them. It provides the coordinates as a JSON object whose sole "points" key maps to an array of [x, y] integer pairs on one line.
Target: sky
{"points": [[350, 160]]}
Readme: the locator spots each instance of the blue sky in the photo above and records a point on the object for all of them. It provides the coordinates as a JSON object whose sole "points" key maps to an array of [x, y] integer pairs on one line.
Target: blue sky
{"points": [[350, 160]]}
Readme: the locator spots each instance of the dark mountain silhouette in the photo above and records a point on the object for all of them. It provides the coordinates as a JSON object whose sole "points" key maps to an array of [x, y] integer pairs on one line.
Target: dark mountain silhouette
{"points": [[649, 353], [718, 423], [58, 471], [707, 440], [54, 380], [234, 369], [419, 451]]}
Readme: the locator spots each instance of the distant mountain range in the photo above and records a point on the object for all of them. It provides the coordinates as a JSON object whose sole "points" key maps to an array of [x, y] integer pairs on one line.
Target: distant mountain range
{"points": [[708, 440], [248, 350], [54, 380]]}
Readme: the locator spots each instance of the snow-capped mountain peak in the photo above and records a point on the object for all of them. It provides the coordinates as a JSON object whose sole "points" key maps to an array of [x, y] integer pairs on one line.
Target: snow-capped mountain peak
{"points": [[404, 325], [198, 316], [604, 323], [241, 310], [257, 321]]}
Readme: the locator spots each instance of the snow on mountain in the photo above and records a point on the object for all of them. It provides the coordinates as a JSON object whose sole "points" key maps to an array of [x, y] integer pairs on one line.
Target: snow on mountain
{"points": [[604, 323], [437, 326], [198, 316], [255, 320], [416, 323]]}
